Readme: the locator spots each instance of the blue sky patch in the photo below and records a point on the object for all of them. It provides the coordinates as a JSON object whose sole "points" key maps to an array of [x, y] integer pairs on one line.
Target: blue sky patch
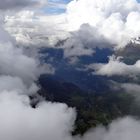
{"points": [[56, 6]]}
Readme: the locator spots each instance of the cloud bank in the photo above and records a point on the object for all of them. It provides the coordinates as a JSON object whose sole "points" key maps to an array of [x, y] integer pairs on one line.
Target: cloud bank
{"points": [[18, 119], [100, 23], [114, 20]]}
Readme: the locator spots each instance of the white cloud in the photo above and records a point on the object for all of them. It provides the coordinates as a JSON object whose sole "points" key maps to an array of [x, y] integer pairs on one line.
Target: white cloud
{"points": [[18, 67], [34, 29], [112, 21], [13, 62], [20, 121], [122, 129], [116, 21], [8, 83], [84, 41], [130, 88], [116, 67], [53, 121]]}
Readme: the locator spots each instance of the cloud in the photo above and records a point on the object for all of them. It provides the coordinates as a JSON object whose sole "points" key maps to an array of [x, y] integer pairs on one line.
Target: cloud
{"points": [[109, 22], [84, 41], [20, 121], [14, 4], [18, 66], [122, 129], [13, 62], [4, 36], [130, 88], [112, 19], [116, 67], [54, 121], [31, 28]]}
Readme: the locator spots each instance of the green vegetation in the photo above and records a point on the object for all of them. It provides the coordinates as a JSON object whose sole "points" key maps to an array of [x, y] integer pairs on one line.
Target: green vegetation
{"points": [[92, 108]]}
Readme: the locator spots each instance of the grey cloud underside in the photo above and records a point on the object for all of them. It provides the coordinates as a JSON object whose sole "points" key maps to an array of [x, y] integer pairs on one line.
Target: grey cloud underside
{"points": [[13, 4]]}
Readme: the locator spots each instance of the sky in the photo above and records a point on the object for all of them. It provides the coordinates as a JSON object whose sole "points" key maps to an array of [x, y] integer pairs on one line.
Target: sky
{"points": [[56, 6]]}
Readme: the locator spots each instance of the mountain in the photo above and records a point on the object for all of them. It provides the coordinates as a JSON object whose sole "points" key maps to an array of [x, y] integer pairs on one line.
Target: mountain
{"points": [[131, 53], [95, 102], [75, 73], [92, 108]]}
